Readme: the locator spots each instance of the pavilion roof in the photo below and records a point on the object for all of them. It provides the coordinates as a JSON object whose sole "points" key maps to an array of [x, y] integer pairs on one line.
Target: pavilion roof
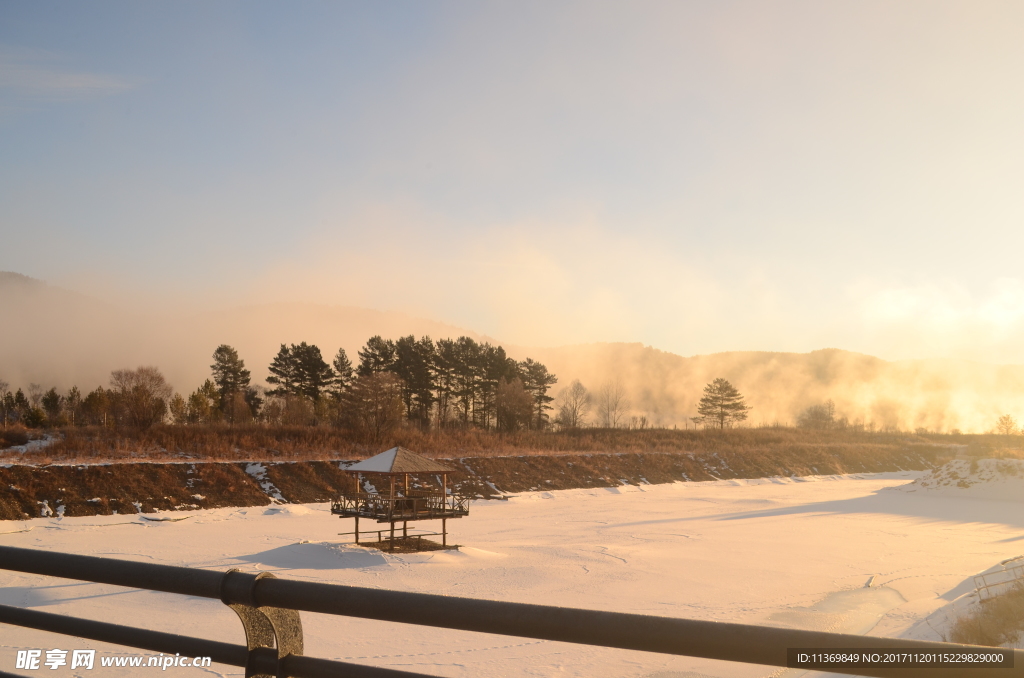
{"points": [[399, 461]]}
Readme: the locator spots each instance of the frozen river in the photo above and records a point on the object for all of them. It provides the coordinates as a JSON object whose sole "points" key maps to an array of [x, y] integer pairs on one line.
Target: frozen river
{"points": [[841, 554]]}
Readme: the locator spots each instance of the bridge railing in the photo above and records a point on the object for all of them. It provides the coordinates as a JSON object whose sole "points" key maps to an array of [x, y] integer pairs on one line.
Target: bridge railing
{"points": [[269, 607]]}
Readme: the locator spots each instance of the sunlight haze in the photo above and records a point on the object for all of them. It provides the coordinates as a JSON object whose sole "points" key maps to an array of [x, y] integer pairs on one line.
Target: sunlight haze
{"points": [[698, 177]]}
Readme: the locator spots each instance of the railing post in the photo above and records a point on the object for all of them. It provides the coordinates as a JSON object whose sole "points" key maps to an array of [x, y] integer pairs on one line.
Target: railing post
{"points": [[270, 631]]}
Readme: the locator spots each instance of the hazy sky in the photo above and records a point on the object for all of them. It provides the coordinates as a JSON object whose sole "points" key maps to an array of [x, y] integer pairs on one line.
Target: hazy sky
{"points": [[698, 176]]}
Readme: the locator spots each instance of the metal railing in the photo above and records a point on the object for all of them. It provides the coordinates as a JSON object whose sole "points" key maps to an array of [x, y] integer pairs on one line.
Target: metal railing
{"points": [[991, 584], [268, 608]]}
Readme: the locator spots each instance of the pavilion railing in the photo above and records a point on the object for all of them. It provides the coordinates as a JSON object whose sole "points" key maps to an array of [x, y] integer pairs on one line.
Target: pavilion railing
{"points": [[268, 609], [415, 505]]}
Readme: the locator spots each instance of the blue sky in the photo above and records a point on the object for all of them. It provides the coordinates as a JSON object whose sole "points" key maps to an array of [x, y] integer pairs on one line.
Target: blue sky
{"points": [[695, 176]]}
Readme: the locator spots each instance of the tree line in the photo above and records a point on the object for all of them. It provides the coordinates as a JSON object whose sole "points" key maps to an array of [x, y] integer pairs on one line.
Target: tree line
{"points": [[135, 397], [447, 383], [420, 382]]}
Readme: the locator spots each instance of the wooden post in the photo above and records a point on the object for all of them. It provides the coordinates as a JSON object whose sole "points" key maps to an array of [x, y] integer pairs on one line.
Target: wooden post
{"points": [[407, 484], [444, 532], [391, 546], [405, 529], [357, 529], [391, 509]]}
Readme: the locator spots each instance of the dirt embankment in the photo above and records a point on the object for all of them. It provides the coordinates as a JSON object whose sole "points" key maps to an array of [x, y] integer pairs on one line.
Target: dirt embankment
{"points": [[32, 491]]}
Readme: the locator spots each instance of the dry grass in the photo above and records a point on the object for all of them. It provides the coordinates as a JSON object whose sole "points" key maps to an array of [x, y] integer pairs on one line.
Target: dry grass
{"points": [[14, 435], [227, 443], [995, 622]]}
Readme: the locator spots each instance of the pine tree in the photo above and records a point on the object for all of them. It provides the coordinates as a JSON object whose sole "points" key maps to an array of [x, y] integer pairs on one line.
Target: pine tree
{"points": [[21, 403], [315, 376], [537, 380], [300, 370], [179, 409], [229, 373], [343, 371], [254, 399], [96, 406], [722, 405], [374, 405], [377, 356], [52, 404], [445, 362], [204, 405], [467, 374], [6, 401], [283, 373], [414, 365]]}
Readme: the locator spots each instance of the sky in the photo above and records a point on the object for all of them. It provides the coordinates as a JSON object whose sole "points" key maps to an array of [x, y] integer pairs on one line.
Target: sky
{"points": [[699, 177]]}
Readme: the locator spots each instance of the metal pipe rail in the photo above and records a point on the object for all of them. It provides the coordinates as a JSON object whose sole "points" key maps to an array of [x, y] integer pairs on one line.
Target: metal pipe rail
{"points": [[262, 661], [706, 639]]}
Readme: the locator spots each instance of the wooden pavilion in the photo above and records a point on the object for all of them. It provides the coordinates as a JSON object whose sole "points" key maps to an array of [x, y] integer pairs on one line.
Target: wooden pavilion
{"points": [[398, 502]]}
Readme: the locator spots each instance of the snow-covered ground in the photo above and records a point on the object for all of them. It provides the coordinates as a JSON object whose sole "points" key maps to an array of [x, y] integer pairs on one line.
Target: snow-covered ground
{"points": [[831, 553], [982, 478]]}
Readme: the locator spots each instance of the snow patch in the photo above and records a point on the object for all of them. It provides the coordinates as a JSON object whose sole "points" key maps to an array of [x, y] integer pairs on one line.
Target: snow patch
{"points": [[33, 445], [259, 473], [288, 510]]}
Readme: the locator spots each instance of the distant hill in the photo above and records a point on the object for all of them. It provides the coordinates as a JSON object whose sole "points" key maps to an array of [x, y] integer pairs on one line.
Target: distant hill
{"points": [[56, 337]]}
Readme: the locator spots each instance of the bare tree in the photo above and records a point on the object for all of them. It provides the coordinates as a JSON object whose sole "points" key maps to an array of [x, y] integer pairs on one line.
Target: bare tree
{"points": [[237, 409], [638, 423], [1006, 425], [513, 405], [35, 394], [612, 405], [818, 416], [574, 406], [140, 395]]}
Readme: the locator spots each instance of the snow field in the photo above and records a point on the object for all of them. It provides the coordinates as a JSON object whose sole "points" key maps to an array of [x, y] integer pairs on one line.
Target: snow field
{"points": [[838, 553]]}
